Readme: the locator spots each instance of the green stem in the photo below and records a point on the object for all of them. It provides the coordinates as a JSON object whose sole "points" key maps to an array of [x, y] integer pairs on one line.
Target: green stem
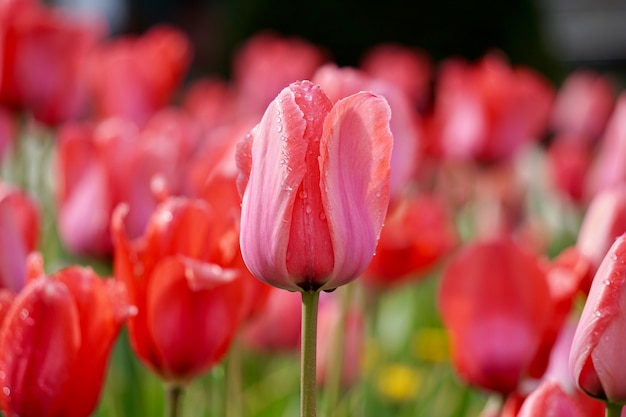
{"points": [[234, 398], [174, 400], [308, 401], [613, 410]]}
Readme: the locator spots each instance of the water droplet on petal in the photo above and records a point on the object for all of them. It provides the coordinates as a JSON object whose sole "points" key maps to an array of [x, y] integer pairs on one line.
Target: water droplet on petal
{"points": [[598, 313], [308, 209], [279, 128], [6, 391], [322, 216]]}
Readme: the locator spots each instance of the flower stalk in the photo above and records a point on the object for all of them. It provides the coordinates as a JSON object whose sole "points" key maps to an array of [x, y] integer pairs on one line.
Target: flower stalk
{"points": [[308, 394], [174, 400]]}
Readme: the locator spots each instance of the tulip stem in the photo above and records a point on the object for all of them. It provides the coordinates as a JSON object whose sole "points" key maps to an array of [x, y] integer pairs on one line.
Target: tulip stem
{"points": [[308, 400], [613, 410], [174, 400]]}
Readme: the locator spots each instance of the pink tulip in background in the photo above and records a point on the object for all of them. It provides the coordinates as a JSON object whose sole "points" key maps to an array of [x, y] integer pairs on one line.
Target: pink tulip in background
{"points": [[314, 178], [20, 226]]}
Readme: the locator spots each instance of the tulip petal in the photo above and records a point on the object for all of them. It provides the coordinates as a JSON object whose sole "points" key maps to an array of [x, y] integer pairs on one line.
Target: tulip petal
{"points": [[40, 340], [355, 154], [275, 155]]}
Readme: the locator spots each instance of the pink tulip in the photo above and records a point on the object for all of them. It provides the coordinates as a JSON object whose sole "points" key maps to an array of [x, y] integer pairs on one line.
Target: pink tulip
{"points": [[315, 183], [608, 168], [583, 105], [19, 235], [597, 355]]}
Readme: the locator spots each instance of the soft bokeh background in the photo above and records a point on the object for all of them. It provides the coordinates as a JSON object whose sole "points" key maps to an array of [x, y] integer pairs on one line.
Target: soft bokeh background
{"points": [[552, 36]]}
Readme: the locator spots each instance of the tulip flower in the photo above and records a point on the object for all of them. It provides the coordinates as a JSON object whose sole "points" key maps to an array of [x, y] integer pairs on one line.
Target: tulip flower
{"points": [[597, 355], [488, 111], [549, 399], [496, 304], [266, 63], [605, 220], [43, 52], [418, 233], [103, 164], [133, 77], [55, 342], [19, 235], [183, 276], [314, 177]]}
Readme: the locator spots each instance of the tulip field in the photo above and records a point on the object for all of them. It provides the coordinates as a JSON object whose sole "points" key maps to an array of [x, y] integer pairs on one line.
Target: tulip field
{"points": [[403, 237]]}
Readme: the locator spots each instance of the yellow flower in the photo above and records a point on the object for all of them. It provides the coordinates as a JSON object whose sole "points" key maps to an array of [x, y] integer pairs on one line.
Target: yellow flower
{"points": [[398, 382]]}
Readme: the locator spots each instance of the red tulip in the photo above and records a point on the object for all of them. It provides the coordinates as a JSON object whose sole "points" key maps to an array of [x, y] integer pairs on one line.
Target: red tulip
{"points": [[597, 355], [186, 277], [607, 169], [266, 63], [262, 333], [102, 165], [549, 399], [488, 111], [43, 53], [315, 183], [418, 233], [19, 235], [495, 302], [133, 77], [55, 341], [408, 68]]}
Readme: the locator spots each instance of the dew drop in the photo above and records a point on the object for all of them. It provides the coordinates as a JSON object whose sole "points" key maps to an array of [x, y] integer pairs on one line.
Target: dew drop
{"points": [[166, 216], [614, 257], [283, 138], [279, 128], [598, 313], [303, 194], [24, 314], [308, 97], [308, 209], [607, 282], [6, 391], [322, 216]]}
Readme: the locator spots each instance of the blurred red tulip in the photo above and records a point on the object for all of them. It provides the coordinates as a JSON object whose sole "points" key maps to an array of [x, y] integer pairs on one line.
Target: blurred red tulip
{"points": [[607, 169], [488, 111], [263, 333], [19, 235], [43, 53], [268, 62], [55, 343], [315, 183], [410, 69], [133, 77], [569, 162], [111, 162], [597, 355], [549, 399], [495, 302], [419, 231], [186, 277]]}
